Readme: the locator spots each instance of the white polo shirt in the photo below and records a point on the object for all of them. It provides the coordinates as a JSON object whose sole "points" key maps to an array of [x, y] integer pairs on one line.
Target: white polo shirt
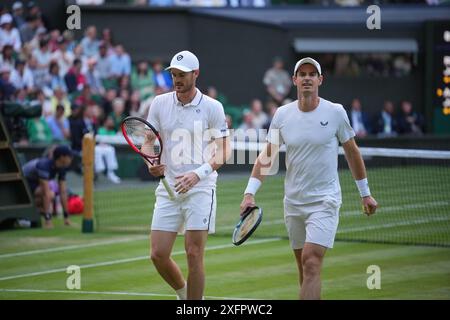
{"points": [[187, 132], [312, 141]]}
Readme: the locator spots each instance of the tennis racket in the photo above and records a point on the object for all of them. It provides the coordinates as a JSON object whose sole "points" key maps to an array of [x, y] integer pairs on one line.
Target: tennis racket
{"points": [[248, 223], [145, 140]]}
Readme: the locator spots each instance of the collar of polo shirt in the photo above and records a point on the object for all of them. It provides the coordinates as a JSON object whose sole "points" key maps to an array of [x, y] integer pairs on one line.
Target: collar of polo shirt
{"points": [[195, 102]]}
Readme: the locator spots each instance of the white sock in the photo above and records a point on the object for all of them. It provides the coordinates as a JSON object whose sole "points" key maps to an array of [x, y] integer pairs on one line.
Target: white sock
{"points": [[182, 293]]}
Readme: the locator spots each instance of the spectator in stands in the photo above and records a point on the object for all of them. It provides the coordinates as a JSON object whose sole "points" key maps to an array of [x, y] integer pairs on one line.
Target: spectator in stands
{"points": [[54, 80], [39, 172], [259, 117], [70, 40], [28, 30], [9, 34], [104, 64], [18, 14], [271, 107], [212, 92], [43, 58], [90, 43], [135, 104], [409, 121], [21, 77], [7, 89], [74, 79], [346, 66], [93, 78], [38, 130], [162, 78], [34, 9], [142, 80], [387, 123], [60, 98], [78, 127], [247, 120], [7, 57], [63, 56], [277, 81], [118, 113], [105, 154], [108, 41], [120, 62], [107, 129], [359, 120], [59, 125], [53, 40], [108, 99]]}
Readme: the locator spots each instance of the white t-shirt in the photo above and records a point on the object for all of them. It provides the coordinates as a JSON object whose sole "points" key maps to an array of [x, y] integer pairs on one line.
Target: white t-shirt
{"points": [[312, 141], [186, 132]]}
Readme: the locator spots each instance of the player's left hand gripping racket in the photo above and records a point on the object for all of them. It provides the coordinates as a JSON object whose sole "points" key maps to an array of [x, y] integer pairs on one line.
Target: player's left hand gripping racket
{"points": [[248, 223], [141, 135]]}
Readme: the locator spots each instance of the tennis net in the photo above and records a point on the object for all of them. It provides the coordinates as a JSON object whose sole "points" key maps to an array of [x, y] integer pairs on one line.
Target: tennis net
{"points": [[411, 186]]}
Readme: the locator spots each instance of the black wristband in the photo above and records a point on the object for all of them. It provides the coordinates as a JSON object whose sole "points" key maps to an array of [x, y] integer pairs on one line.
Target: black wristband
{"points": [[47, 216]]}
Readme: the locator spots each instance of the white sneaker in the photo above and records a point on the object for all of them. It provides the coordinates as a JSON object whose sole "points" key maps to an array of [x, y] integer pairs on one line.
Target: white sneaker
{"points": [[112, 176]]}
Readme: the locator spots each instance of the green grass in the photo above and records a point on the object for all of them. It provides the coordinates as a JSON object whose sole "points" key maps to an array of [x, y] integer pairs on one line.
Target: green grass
{"points": [[114, 260]]}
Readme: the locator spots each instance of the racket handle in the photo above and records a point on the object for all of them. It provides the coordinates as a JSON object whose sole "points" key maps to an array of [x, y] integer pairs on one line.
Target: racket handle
{"points": [[168, 188]]}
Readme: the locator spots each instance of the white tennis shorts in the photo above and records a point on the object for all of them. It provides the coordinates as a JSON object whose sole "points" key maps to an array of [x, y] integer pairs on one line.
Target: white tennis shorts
{"points": [[313, 223], [195, 210]]}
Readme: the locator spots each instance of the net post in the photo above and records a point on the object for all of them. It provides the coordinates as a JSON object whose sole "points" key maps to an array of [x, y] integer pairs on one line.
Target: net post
{"points": [[88, 146]]}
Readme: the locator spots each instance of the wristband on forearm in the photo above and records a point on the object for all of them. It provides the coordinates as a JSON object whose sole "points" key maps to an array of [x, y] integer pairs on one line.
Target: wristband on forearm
{"points": [[252, 186], [203, 171], [363, 187]]}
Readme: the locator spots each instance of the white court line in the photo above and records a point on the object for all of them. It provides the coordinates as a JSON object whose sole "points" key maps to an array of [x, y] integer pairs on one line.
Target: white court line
{"points": [[116, 293], [71, 247], [277, 221], [113, 262]]}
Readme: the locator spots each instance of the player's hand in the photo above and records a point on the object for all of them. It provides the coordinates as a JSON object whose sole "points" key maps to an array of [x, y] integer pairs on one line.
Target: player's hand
{"points": [[157, 170], [369, 205], [248, 201], [186, 182]]}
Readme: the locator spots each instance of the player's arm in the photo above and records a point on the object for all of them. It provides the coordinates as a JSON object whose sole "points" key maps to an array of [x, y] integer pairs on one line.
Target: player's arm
{"points": [[358, 169], [63, 198], [221, 155], [262, 166], [47, 197]]}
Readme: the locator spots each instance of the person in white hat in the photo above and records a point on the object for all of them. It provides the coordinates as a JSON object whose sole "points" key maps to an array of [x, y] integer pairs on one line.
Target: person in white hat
{"points": [[311, 128], [9, 34], [196, 144]]}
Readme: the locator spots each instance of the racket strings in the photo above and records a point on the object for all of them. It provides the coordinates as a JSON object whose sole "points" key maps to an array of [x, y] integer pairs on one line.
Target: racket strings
{"points": [[139, 133]]}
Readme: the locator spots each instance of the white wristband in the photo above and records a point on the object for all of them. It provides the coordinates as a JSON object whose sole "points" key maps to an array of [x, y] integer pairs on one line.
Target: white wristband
{"points": [[252, 186], [203, 171], [363, 187]]}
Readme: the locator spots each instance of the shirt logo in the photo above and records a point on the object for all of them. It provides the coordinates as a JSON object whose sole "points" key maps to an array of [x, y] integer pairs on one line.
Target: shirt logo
{"points": [[197, 110], [205, 220], [179, 57], [323, 124]]}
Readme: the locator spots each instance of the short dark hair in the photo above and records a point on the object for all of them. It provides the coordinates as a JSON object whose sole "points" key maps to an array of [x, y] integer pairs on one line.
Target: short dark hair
{"points": [[62, 150]]}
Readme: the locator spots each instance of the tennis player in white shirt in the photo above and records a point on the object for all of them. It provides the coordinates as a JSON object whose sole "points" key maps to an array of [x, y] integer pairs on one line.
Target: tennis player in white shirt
{"points": [[311, 128], [195, 144]]}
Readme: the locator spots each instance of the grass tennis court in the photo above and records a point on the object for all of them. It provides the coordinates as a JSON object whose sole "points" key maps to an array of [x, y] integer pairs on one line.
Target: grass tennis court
{"points": [[115, 265]]}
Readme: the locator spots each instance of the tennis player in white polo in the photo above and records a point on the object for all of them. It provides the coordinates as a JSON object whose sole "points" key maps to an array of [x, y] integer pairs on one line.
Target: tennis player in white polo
{"points": [[195, 144], [311, 128]]}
